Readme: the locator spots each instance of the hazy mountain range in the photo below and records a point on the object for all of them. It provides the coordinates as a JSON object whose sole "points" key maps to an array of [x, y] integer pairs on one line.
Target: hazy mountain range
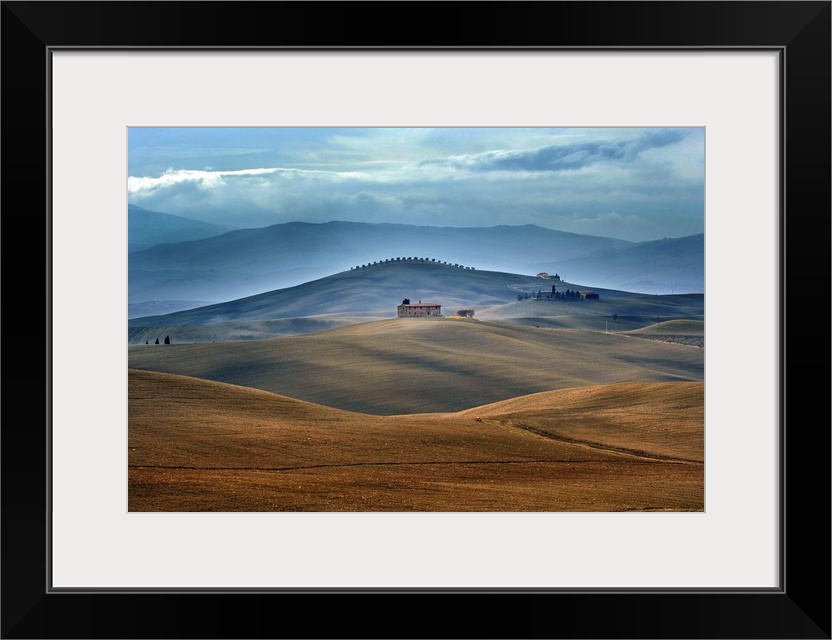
{"points": [[184, 271], [147, 228]]}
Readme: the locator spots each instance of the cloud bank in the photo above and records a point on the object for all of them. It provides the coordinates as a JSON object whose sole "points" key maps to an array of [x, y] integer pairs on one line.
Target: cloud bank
{"points": [[635, 184]]}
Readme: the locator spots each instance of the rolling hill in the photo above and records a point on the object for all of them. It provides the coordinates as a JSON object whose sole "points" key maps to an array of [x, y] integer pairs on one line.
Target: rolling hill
{"points": [[418, 365], [245, 262], [374, 292], [672, 265], [195, 445]]}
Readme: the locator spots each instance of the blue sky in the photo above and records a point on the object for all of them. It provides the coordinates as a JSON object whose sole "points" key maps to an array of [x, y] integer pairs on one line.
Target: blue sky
{"points": [[635, 184]]}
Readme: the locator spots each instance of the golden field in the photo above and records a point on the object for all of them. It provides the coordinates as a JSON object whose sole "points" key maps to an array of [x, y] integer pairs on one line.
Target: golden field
{"points": [[199, 445], [425, 365]]}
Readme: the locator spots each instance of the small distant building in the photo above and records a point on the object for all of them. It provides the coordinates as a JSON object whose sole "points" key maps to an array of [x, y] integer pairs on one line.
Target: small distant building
{"points": [[419, 310], [589, 295], [465, 313]]}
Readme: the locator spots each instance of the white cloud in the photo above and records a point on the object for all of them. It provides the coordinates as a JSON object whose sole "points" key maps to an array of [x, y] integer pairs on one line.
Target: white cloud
{"points": [[620, 183], [204, 179]]}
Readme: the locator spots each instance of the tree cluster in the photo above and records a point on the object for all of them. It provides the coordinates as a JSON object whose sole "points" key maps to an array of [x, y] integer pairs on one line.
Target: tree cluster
{"points": [[411, 259], [554, 295]]}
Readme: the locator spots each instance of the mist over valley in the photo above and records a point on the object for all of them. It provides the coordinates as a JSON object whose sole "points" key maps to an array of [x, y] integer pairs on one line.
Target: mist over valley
{"points": [[246, 262]]}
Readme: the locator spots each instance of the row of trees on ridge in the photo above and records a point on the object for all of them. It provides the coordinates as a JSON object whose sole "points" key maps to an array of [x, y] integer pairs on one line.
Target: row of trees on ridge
{"points": [[411, 259]]}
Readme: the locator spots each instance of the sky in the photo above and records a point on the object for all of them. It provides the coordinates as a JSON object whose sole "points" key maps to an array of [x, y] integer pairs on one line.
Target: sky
{"points": [[632, 183]]}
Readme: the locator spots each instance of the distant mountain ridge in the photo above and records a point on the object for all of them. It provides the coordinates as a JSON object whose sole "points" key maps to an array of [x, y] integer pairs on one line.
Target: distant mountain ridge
{"points": [[671, 265], [147, 228], [245, 262], [345, 244]]}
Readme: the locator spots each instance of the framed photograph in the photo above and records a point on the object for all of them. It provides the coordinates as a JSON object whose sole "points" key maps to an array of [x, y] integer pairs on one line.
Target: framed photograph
{"points": [[273, 367], [123, 119]]}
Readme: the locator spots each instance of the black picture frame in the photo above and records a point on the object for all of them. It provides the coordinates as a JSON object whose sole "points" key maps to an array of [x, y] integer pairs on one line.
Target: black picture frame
{"points": [[799, 31]]}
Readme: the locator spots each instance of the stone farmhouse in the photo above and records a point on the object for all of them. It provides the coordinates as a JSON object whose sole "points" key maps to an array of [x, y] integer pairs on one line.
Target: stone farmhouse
{"points": [[419, 310]]}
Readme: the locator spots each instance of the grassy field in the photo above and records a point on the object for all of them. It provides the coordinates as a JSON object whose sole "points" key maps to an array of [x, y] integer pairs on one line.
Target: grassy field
{"points": [[198, 445], [419, 365]]}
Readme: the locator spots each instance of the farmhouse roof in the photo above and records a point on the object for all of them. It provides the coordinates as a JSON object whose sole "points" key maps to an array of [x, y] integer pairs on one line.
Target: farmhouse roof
{"points": [[421, 304]]}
